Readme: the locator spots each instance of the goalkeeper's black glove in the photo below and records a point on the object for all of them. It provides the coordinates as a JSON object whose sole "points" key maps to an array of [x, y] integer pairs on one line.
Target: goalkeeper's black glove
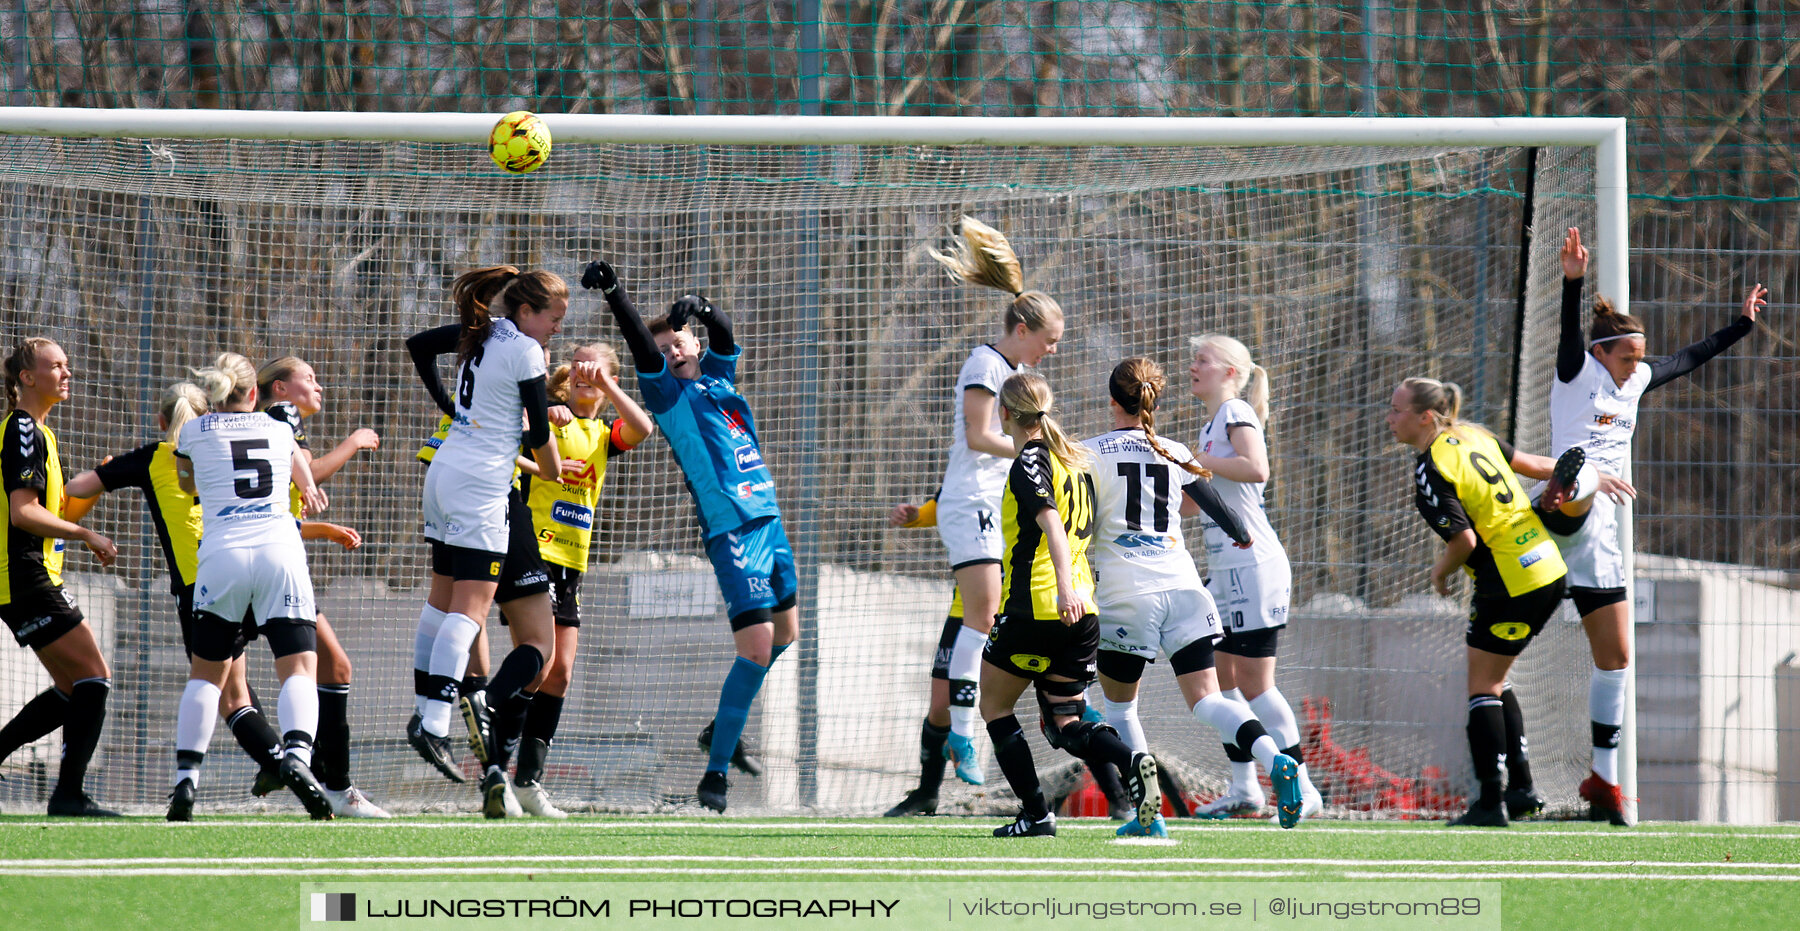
{"points": [[600, 275], [690, 307]]}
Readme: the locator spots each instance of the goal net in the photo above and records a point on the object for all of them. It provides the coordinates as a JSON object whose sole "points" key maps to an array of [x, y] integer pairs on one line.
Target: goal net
{"points": [[1344, 268]]}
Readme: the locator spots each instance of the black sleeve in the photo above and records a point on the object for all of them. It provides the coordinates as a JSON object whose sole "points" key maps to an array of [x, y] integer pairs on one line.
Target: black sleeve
{"points": [[127, 470], [1570, 347], [1437, 502], [537, 411], [719, 337], [1663, 371], [425, 347], [24, 461], [285, 413], [1507, 450], [1030, 482], [1204, 494], [644, 355]]}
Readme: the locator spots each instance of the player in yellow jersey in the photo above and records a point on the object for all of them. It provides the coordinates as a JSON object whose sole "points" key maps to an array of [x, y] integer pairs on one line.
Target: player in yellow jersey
{"points": [[1466, 486], [33, 526], [1047, 631], [562, 512], [291, 390]]}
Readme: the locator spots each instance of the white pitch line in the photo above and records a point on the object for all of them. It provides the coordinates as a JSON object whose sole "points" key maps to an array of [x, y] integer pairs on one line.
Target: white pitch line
{"points": [[1609, 877], [1248, 862], [1410, 831], [639, 871]]}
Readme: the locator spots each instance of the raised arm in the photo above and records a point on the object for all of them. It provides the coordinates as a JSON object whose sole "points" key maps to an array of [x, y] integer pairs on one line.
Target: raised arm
{"points": [[425, 347], [1689, 358], [324, 467], [644, 355], [719, 336], [1570, 346]]}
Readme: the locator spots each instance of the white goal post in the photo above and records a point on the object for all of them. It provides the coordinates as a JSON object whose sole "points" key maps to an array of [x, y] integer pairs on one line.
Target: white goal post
{"points": [[191, 191]]}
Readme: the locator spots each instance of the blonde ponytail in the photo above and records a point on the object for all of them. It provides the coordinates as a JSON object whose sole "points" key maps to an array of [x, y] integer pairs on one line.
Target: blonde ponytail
{"points": [[984, 257], [229, 380], [1027, 396], [181, 402]]}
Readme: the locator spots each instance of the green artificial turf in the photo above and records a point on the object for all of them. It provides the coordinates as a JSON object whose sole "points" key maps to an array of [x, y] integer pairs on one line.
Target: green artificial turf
{"points": [[251, 872]]}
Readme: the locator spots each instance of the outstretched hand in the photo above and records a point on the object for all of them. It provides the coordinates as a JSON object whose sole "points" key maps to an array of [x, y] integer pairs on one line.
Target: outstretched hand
{"points": [[599, 275], [1755, 300], [1574, 255], [690, 307]]}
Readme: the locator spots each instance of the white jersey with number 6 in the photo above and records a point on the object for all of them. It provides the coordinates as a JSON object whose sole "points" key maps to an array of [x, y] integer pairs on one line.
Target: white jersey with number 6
{"points": [[242, 468], [485, 430]]}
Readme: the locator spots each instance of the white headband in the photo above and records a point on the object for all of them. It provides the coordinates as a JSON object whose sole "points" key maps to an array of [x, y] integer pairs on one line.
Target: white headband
{"points": [[1608, 339]]}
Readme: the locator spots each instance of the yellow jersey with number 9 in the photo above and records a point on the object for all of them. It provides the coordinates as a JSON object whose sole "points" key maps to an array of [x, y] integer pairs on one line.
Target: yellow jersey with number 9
{"points": [[1464, 481]]}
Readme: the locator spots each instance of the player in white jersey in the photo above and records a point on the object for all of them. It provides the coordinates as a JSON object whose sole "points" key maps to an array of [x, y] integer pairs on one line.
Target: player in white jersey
{"points": [[251, 579], [968, 504], [291, 391], [1251, 585], [1147, 589], [500, 382], [1594, 398]]}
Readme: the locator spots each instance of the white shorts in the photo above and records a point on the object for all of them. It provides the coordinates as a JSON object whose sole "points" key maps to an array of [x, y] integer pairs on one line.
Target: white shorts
{"points": [[1253, 597], [1170, 619], [459, 511], [269, 581], [1592, 552], [970, 529]]}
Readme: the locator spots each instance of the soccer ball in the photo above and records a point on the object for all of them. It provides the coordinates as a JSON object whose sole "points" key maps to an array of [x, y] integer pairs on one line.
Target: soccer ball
{"points": [[520, 142]]}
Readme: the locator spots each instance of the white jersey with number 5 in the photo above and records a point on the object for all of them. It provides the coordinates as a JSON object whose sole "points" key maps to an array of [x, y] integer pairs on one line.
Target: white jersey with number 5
{"points": [[1138, 548], [1246, 499], [485, 430], [241, 472]]}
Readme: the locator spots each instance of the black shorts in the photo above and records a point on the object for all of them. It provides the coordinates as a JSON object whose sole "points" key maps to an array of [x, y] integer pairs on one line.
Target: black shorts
{"points": [[462, 564], [565, 595], [1504, 624], [940, 661], [1034, 649], [184, 613], [522, 572], [39, 614], [1251, 644], [1589, 600]]}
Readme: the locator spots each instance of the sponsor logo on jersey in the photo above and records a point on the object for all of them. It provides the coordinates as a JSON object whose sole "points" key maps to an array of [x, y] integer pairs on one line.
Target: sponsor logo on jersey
{"points": [[573, 515], [759, 585], [749, 458], [293, 601], [984, 521], [531, 578], [1141, 541], [1030, 662], [1510, 630], [746, 489], [243, 510], [734, 423]]}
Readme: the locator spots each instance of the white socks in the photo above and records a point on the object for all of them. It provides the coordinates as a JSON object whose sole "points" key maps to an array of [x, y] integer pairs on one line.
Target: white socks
{"points": [[298, 711], [965, 665], [450, 658], [424, 636], [1606, 706], [1272, 709], [1226, 717], [195, 718], [1123, 717]]}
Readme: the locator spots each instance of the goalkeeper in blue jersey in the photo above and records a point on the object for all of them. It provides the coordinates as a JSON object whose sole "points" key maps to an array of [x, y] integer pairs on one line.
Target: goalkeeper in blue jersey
{"points": [[692, 394]]}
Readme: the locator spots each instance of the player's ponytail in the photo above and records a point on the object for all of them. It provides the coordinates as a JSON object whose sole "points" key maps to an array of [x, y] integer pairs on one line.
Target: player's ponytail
{"points": [[1027, 396], [472, 293], [181, 402], [1249, 381], [1442, 400], [24, 356], [227, 382], [984, 257], [1609, 325], [1136, 385]]}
